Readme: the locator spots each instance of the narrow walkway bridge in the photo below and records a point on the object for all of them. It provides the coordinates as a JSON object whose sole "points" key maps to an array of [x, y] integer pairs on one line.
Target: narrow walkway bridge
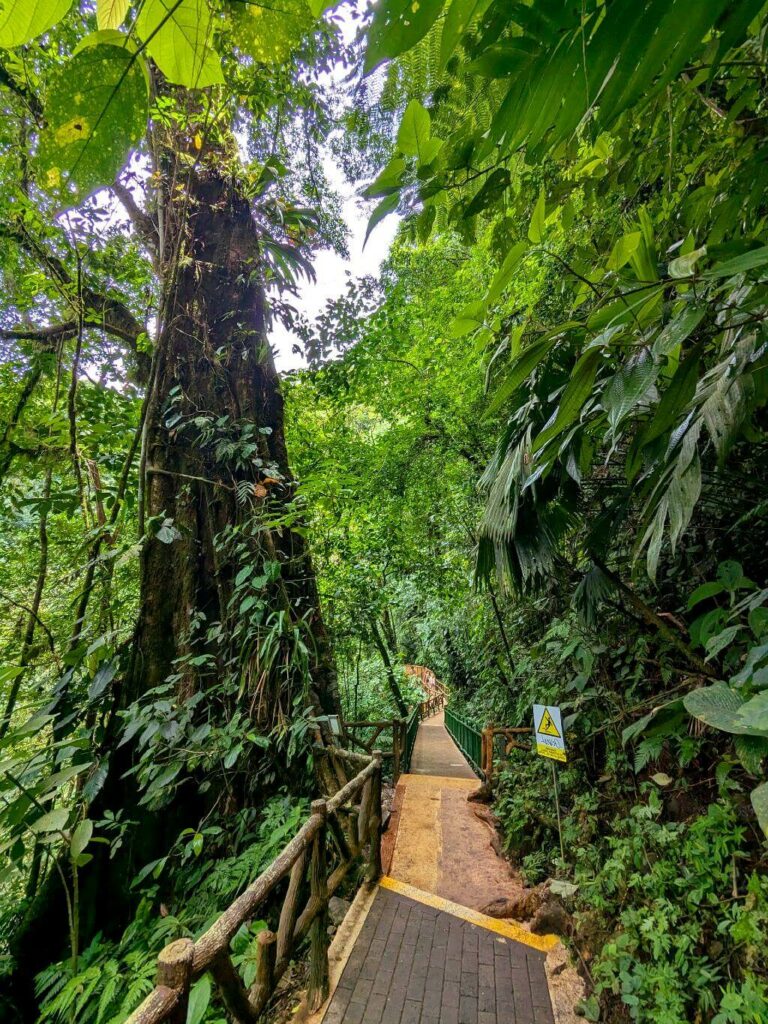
{"points": [[417, 948]]}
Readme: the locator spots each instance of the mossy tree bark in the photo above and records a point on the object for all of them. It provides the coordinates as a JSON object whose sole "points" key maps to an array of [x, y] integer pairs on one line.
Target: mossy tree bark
{"points": [[213, 394]]}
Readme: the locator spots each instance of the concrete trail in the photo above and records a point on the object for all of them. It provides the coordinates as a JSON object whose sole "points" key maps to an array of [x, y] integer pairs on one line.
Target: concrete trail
{"points": [[418, 951]]}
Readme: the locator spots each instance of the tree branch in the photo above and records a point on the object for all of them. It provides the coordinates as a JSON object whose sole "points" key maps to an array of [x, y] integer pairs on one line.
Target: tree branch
{"points": [[144, 224]]}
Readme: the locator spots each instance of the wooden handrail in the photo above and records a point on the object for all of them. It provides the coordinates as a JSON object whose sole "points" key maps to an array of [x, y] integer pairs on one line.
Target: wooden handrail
{"points": [[307, 857]]}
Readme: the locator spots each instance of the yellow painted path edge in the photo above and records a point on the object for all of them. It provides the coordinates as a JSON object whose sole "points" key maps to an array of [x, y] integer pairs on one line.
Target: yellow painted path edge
{"points": [[510, 930]]}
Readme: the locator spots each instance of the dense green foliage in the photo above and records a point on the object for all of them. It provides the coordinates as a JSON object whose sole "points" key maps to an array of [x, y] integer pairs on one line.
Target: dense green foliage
{"points": [[530, 455]]}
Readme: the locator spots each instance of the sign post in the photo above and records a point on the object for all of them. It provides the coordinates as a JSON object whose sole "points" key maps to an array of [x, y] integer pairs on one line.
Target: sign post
{"points": [[550, 742]]}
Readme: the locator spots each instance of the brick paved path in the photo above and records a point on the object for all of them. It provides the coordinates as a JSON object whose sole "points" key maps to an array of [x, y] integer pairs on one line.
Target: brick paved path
{"points": [[413, 963]]}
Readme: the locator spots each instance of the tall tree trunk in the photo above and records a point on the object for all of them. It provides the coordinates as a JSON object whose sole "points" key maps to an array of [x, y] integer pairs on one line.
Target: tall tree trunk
{"points": [[392, 683], [216, 487]]}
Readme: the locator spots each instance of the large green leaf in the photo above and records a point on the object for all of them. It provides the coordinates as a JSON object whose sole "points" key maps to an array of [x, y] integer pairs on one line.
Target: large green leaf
{"points": [[759, 798], [111, 13], [458, 18], [504, 274], [397, 26], [719, 706], [739, 264], [179, 38], [751, 751], [577, 391], [386, 206], [519, 371], [22, 20], [414, 136], [755, 712], [675, 399], [51, 821], [388, 181], [199, 998], [623, 52], [269, 33], [95, 111], [628, 386]]}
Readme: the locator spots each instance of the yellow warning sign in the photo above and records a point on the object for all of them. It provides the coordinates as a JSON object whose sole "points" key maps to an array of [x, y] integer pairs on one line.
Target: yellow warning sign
{"points": [[547, 725]]}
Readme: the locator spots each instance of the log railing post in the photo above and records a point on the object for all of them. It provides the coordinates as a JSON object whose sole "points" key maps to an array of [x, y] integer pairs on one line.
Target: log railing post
{"points": [[318, 933], [290, 908], [374, 823], [264, 984], [364, 814], [487, 755], [174, 971]]}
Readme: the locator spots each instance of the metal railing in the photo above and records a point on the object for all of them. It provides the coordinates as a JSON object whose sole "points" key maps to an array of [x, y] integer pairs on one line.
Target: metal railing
{"points": [[341, 832], [468, 738]]}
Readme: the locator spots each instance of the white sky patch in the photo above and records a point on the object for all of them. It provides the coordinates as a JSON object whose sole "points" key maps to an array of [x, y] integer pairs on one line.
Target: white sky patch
{"points": [[330, 268]]}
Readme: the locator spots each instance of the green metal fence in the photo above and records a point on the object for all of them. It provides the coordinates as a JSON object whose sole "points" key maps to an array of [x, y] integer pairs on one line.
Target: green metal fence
{"points": [[411, 728], [467, 738]]}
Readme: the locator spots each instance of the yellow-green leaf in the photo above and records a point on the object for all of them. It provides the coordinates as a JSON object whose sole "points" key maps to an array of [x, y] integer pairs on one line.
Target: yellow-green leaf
{"points": [[111, 13], [96, 110], [179, 36], [270, 33], [22, 20], [536, 227]]}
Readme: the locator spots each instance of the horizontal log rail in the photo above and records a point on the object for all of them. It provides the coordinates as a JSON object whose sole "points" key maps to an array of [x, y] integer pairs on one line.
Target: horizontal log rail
{"points": [[340, 833], [366, 734]]}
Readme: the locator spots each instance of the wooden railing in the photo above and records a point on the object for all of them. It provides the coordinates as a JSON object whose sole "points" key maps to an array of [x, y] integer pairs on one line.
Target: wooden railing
{"points": [[341, 831], [431, 705], [511, 742], [365, 735]]}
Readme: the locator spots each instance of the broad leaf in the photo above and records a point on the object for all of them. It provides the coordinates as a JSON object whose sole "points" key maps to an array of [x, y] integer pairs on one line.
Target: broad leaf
{"points": [[385, 207], [469, 319], [199, 998], [414, 134], [388, 181], [623, 250], [53, 821], [536, 227], [759, 798], [706, 590], [506, 270], [271, 32], [575, 395], [23, 20], [739, 264], [80, 838], [397, 26], [628, 386], [492, 189], [111, 13], [518, 372], [754, 713], [458, 18], [96, 111], [719, 706], [178, 35]]}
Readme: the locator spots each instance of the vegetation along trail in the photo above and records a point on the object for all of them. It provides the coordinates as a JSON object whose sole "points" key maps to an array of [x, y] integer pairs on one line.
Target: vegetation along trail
{"points": [[383, 496]]}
